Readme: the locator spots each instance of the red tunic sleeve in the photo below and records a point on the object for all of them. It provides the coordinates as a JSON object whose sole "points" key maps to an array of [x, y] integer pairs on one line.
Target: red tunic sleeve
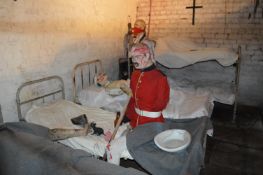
{"points": [[130, 111]]}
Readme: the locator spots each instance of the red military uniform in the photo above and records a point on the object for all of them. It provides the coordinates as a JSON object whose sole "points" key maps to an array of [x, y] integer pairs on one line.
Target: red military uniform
{"points": [[150, 96]]}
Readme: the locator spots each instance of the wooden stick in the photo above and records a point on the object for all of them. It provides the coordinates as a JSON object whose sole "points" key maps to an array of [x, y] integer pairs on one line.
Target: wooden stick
{"points": [[119, 121], [116, 127]]}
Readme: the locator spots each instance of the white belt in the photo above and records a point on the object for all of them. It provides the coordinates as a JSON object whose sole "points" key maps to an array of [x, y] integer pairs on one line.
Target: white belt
{"points": [[148, 114]]}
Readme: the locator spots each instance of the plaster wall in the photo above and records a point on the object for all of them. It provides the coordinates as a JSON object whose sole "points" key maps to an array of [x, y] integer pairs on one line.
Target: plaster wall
{"points": [[47, 37]]}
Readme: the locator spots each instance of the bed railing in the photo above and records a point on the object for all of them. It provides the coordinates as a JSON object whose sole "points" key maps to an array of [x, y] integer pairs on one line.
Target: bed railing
{"points": [[53, 92], [238, 63], [84, 74]]}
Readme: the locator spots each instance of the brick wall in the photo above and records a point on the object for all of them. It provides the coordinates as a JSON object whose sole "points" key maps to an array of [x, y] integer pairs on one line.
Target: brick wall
{"points": [[220, 23]]}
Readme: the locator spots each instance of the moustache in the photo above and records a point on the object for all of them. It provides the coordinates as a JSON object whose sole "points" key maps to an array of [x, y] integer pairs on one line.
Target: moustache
{"points": [[135, 64]]}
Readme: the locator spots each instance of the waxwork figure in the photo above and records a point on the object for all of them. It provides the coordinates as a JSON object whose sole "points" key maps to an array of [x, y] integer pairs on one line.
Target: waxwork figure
{"points": [[149, 91], [149, 87]]}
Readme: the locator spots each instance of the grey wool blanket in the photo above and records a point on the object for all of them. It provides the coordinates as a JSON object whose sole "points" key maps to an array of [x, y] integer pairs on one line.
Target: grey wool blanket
{"points": [[26, 150], [141, 146]]}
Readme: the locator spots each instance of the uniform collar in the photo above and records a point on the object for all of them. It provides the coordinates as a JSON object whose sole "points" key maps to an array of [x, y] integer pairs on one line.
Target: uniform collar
{"points": [[149, 68]]}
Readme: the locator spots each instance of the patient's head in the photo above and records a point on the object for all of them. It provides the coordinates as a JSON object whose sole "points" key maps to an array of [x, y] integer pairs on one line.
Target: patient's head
{"points": [[139, 27], [141, 56]]}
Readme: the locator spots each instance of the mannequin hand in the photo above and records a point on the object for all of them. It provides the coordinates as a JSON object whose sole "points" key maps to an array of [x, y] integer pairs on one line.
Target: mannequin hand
{"points": [[102, 80]]}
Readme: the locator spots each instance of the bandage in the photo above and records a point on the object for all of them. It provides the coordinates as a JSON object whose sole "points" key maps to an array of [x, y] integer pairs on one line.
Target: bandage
{"points": [[136, 30], [101, 80], [147, 46], [139, 49]]}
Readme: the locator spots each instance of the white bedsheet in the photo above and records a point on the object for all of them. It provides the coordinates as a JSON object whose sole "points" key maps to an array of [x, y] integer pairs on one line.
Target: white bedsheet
{"points": [[96, 145], [58, 115], [177, 53], [185, 104]]}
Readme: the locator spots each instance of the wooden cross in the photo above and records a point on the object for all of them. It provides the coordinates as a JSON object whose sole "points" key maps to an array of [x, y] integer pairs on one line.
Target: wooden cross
{"points": [[194, 7]]}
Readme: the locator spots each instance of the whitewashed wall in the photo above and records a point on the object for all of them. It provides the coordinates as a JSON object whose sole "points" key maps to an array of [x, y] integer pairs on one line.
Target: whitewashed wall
{"points": [[40, 38]]}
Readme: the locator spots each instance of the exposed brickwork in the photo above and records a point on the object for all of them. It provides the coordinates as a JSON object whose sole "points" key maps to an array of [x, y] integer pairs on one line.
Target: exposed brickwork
{"points": [[220, 23]]}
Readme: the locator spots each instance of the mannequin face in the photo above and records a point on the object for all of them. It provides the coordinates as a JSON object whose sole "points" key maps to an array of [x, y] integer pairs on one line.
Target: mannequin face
{"points": [[141, 57], [141, 61], [139, 28]]}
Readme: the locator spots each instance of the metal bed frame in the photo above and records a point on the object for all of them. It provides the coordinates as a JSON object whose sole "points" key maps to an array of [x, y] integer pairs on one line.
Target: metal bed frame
{"points": [[81, 67], [53, 93]]}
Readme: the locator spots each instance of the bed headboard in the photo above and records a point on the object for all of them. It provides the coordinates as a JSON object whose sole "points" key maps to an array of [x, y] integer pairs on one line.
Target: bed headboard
{"points": [[83, 75], [39, 91]]}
